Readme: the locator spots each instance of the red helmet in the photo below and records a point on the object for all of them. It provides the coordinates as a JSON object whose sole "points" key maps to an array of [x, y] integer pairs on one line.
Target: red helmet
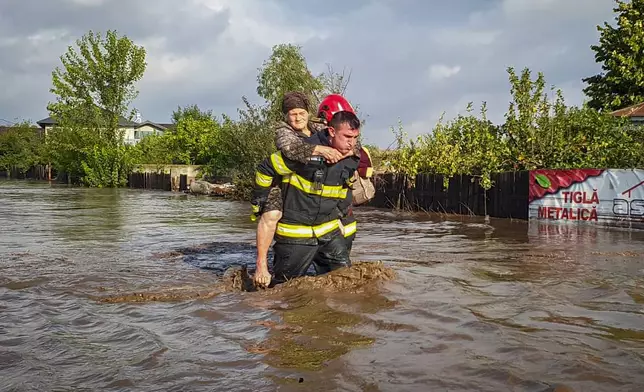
{"points": [[332, 104]]}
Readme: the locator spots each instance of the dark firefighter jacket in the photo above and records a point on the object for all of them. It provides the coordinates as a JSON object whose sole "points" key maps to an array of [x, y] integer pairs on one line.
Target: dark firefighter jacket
{"points": [[315, 195]]}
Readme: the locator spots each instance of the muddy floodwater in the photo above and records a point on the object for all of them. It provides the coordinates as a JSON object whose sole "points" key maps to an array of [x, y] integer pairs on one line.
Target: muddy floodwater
{"points": [[129, 290]]}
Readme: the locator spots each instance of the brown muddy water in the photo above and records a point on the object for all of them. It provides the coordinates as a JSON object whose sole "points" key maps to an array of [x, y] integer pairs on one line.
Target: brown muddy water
{"points": [[127, 290]]}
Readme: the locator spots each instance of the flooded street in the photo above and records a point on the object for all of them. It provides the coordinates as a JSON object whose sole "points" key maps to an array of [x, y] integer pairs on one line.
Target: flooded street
{"points": [[504, 306]]}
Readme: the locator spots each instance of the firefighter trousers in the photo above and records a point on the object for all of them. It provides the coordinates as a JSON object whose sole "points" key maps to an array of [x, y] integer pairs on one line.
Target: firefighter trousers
{"points": [[292, 258]]}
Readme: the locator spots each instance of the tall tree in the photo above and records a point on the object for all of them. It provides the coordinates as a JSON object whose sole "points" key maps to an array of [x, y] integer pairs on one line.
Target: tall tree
{"points": [[194, 138], [621, 53], [93, 90], [333, 82], [285, 70]]}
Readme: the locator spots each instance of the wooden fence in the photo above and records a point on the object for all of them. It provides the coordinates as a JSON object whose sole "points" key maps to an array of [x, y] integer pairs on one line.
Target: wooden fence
{"points": [[160, 181], [508, 198], [38, 172]]}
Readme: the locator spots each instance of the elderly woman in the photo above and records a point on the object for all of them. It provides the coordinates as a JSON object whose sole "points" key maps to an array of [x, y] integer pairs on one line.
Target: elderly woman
{"points": [[289, 139]]}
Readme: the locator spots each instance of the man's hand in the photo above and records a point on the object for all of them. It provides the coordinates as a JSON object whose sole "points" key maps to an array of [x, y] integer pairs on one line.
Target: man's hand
{"points": [[262, 277], [330, 154]]}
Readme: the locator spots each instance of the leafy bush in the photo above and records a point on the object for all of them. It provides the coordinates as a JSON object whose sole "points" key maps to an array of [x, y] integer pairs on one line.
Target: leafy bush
{"points": [[21, 147], [538, 133]]}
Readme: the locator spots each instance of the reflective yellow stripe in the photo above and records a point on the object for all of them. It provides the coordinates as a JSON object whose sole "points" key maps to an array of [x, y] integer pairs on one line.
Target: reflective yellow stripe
{"points": [[326, 228], [352, 179], [300, 231], [306, 186], [368, 153], [294, 231], [263, 180], [255, 209], [369, 172], [350, 229], [279, 165]]}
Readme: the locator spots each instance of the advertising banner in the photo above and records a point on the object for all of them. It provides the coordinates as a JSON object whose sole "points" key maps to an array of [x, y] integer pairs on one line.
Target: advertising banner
{"points": [[611, 197]]}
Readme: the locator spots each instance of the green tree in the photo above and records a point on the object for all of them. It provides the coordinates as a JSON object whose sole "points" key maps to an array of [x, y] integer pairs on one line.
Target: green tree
{"points": [[154, 149], [191, 141], [192, 111], [546, 133], [194, 140], [93, 92], [21, 147], [621, 53], [285, 70], [480, 149], [527, 121], [242, 145], [466, 144], [540, 131]]}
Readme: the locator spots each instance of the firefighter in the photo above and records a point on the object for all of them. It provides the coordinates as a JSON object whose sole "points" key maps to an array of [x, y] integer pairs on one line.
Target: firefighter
{"points": [[362, 189], [314, 198], [289, 140]]}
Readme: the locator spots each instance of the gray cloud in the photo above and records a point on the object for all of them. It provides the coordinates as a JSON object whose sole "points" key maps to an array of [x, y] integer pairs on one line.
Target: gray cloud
{"points": [[410, 59]]}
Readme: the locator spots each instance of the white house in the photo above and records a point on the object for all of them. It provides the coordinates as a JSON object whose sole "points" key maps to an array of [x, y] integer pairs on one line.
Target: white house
{"points": [[133, 131], [146, 128]]}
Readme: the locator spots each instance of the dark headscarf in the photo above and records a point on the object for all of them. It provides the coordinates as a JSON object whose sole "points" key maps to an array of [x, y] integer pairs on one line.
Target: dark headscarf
{"points": [[295, 100]]}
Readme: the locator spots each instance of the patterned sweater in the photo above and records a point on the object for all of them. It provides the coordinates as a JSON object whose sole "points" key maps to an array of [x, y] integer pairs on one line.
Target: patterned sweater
{"points": [[291, 142]]}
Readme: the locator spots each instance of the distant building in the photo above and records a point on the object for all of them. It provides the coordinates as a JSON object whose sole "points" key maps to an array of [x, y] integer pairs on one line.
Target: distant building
{"points": [[133, 131], [143, 129], [634, 112]]}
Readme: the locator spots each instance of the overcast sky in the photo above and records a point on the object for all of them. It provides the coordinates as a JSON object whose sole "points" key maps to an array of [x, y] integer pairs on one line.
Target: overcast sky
{"points": [[410, 59]]}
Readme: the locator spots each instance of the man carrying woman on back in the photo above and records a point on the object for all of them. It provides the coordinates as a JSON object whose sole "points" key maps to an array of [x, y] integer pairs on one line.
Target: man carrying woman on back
{"points": [[290, 135]]}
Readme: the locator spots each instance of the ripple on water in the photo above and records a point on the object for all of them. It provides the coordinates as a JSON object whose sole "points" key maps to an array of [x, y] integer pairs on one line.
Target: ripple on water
{"points": [[474, 306]]}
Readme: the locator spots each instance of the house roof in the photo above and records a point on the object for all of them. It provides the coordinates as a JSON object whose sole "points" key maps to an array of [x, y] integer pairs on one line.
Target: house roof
{"points": [[636, 110], [160, 126], [123, 122]]}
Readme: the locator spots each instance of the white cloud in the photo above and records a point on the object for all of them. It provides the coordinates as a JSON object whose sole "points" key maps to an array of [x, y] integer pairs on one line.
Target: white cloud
{"points": [[259, 22], [410, 60], [440, 71]]}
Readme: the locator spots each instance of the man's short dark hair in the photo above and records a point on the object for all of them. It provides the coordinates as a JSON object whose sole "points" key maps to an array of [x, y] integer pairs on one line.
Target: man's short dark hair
{"points": [[345, 117]]}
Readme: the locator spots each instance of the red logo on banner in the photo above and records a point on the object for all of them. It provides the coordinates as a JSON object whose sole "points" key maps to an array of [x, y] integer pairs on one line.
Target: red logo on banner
{"points": [[549, 181]]}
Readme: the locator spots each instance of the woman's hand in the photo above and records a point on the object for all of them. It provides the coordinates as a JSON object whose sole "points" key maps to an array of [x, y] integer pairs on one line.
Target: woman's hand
{"points": [[330, 154]]}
